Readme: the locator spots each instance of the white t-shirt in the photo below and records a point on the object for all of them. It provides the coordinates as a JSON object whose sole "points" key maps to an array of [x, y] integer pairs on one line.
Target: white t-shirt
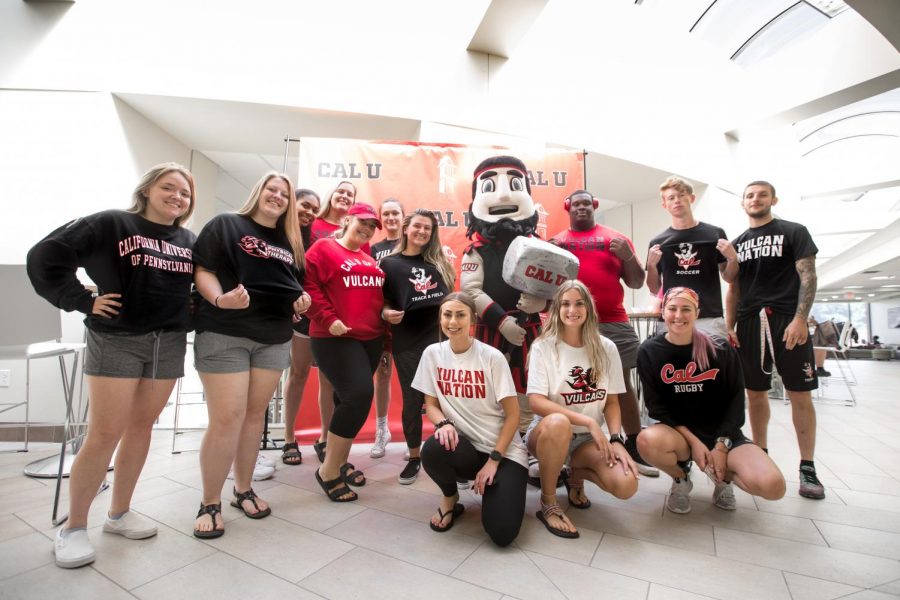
{"points": [[469, 387], [563, 374]]}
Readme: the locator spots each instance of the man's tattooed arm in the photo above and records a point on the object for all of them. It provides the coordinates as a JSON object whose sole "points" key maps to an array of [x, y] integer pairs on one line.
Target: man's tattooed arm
{"points": [[806, 269]]}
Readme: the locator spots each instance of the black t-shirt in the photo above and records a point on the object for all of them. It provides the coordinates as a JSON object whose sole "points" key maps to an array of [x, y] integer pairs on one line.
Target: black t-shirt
{"points": [[383, 248], [690, 259], [768, 272], [239, 250], [416, 287], [709, 403], [123, 253]]}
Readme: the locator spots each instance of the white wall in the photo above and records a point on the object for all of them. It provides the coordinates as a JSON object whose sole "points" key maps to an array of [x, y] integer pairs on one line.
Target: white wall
{"points": [[879, 316], [62, 155]]}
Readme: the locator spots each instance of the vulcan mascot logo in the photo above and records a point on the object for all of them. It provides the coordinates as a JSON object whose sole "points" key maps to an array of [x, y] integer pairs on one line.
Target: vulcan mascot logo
{"points": [[254, 246], [420, 281], [686, 256], [685, 379], [808, 371], [582, 381]]}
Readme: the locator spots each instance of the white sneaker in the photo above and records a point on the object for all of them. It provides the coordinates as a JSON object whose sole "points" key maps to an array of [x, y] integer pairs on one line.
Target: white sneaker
{"points": [[382, 439], [73, 550], [679, 500], [260, 472], [265, 461], [131, 525], [463, 484], [723, 496]]}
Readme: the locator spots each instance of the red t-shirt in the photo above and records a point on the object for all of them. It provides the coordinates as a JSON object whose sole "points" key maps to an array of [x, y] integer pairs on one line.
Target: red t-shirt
{"points": [[600, 269], [344, 285]]}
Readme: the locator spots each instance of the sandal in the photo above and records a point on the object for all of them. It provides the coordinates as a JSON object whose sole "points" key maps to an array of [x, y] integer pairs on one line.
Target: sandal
{"points": [[336, 488], [571, 486], [290, 454], [212, 510], [551, 510], [241, 497], [319, 447], [352, 476], [455, 512]]}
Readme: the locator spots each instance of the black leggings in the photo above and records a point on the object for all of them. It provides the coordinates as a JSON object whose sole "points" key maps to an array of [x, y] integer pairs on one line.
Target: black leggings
{"points": [[407, 362], [344, 361], [503, 504]]}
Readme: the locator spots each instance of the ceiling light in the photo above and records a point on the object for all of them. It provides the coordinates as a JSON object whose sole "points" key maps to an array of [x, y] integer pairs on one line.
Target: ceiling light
{"points": [[853, 287], [834, 297], [894, 285], [881, 277], [871, 295], [832, 8]]}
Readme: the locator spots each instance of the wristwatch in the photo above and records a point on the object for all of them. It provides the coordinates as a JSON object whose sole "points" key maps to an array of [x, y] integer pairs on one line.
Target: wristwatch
{"points": [[495, 455], [616, 438], [725, 441]]}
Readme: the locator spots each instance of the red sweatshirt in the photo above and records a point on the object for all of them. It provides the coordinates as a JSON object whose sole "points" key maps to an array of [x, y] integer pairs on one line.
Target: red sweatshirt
{"points": [[343, 285]]}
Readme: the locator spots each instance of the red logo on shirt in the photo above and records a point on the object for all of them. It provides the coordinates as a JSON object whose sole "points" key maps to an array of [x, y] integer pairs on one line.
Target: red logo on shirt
{"points": [[254, 246], [585, 387], [686, 258], [670, 374], [420, 281]]}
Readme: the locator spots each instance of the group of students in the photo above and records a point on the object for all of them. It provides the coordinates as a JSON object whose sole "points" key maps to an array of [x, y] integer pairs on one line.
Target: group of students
{"points": [[289, 281]]}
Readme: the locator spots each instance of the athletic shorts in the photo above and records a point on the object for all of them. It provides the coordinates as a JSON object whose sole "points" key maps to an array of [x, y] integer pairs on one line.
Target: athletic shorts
{"points": [[626, 341], [220, 353], [578, 439], [796, 367], [155, 355], [736, 442]]}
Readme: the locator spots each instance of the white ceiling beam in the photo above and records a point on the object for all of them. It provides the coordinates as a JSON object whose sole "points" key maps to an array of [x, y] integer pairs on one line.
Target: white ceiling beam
{"points": [[504, 24]]}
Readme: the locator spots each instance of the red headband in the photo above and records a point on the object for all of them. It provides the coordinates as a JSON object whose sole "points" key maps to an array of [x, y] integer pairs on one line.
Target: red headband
{"points": [[682, 292]]}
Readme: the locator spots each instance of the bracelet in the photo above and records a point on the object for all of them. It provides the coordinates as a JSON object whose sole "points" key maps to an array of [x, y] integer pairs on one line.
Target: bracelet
{"points": [[444, 422], [216, 302]]}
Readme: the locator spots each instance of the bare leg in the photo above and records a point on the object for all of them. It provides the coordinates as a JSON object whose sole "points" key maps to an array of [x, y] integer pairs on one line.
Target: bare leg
{"points": [[754, 472], [590, 465], [759, 416], [383, 385], [301, 360], [150, 399], [108, 413], [631, 415], [804, 416], [663, 447], [326, 404], [549, 441], [337, 454], [262, 385], [226, 402]]}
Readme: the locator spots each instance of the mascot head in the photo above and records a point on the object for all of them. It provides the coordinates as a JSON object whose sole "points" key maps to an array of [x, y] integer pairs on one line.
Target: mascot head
{"points": [[501, 208]]}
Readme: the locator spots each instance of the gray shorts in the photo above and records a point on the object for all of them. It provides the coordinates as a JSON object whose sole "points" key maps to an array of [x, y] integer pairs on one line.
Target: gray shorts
{"points": [[578, 439], [626, 340], [156, 355], [220, 353]]}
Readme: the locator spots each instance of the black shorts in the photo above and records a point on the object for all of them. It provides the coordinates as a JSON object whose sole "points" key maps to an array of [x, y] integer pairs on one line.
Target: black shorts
{"points": [[736, 442], [796, 367]]}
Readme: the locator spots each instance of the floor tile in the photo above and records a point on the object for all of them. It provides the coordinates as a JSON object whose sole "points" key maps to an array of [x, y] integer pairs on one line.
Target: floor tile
{"points": [[811, 588], [12, 526], [833, 513], [24, 553], [661, 592], [890, 588], [510, 570], [825, 563], [352, 576], [886, 502], [407, 540], [869, 595], [52, 582], [579, 582], [130, 563], [220, 576], [534, 537], [863, 541], [764, 523], [309, 509], [669, 566]]}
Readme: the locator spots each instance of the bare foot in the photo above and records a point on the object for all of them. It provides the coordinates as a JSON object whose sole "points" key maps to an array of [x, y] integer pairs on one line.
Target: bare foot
{"points": [[444, 516], [204, 522]]}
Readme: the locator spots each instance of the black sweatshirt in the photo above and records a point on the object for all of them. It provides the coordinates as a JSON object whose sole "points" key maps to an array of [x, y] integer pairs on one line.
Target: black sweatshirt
{"points": [[123, 253], [414, 286], [709, 403], [239, 250]]}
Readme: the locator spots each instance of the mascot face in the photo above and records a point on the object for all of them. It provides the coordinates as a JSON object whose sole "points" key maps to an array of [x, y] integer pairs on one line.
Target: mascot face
{"points": [[501, 193]]}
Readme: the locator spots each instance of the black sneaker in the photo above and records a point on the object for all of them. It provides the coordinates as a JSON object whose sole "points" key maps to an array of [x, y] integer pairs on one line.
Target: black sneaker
{"points": [[821, 372], [643, 468], [810, 486], [410, 472]]}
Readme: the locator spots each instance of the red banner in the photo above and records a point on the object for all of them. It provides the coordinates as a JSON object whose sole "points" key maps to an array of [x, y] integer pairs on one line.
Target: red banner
{"points": [[433, 176]]}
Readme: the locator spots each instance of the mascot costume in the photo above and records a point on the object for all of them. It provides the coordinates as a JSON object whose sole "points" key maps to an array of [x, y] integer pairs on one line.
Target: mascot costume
{"points": [[501, 211]]}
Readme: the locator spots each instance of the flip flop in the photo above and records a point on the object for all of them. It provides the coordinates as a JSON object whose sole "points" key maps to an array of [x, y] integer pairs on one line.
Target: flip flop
{"points": [[290, 454], [548, 511], [351, 475], [571, 487], [455, 512], [238, 502], [212, 510], [335, 488], [319, 447]]}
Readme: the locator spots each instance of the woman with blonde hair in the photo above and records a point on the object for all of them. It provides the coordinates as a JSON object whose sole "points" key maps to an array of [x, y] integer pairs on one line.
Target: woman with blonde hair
{"points": [[247, 269], [574, 379], [417, 276], [137, 323]]}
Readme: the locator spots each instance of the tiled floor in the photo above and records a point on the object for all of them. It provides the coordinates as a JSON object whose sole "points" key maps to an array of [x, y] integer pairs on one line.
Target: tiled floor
{"points": [[847, 546]]}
